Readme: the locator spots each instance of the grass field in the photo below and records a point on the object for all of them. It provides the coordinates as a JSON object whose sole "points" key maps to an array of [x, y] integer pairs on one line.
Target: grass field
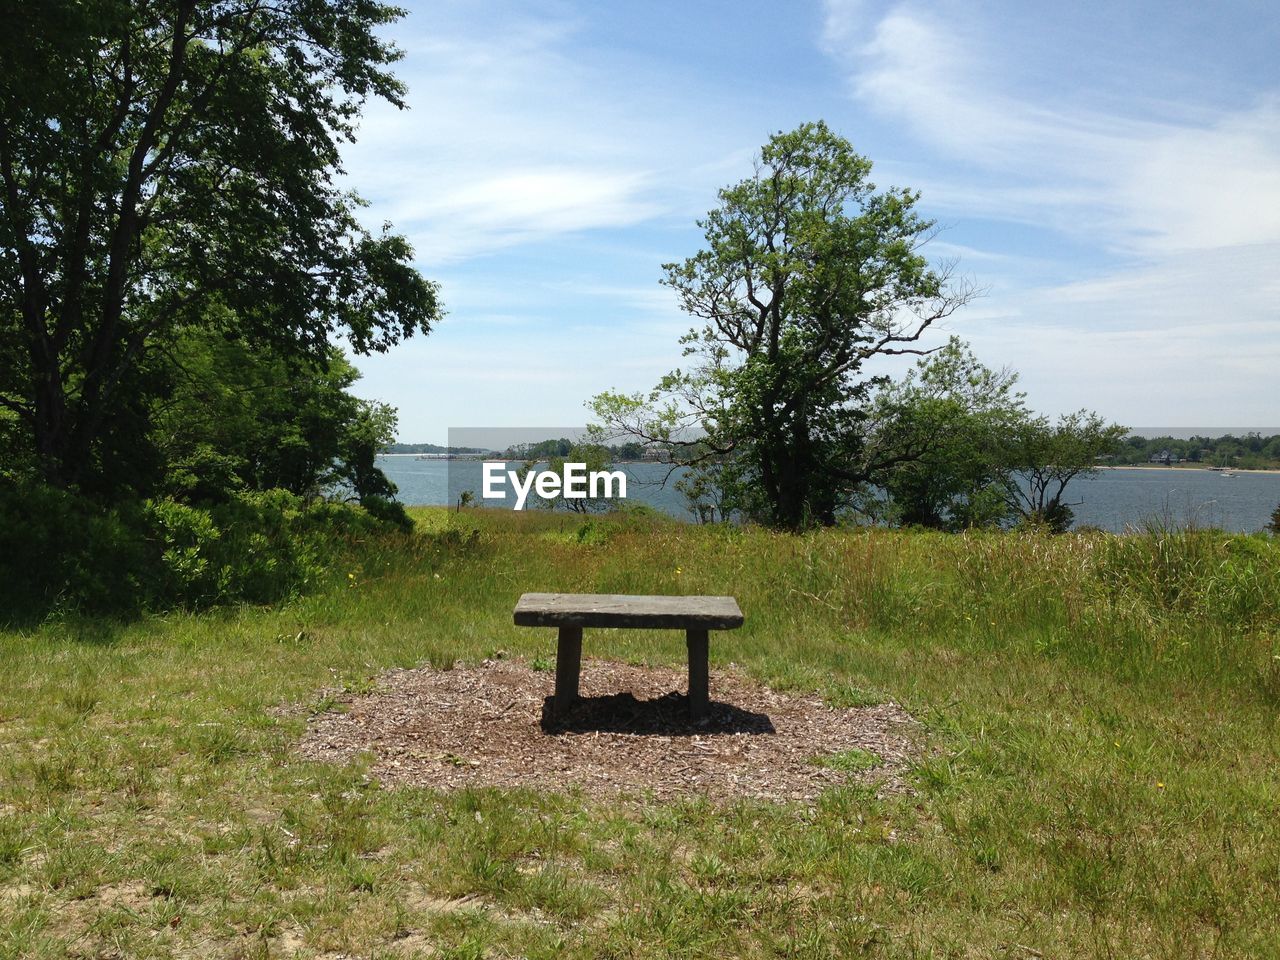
{"points": [[1104, 777]]}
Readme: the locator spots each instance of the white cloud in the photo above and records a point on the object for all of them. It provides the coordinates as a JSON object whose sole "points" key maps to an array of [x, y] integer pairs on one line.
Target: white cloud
{"points": [[1183, 324], [1191, 340], [1148, 186], [487, 213], [498, 146], [512, 136]]}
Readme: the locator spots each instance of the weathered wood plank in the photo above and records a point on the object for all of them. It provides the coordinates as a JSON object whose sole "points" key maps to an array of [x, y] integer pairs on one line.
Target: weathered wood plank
{"points": [[699, 683], [611, 610], [568, 666]]}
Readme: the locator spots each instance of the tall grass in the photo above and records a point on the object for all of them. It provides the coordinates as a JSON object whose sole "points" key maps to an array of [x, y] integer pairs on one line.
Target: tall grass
{"points": [[1099, 778]]}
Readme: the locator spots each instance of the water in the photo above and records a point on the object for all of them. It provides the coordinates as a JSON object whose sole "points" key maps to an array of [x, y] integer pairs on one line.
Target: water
{"points": [[1111, 500]]}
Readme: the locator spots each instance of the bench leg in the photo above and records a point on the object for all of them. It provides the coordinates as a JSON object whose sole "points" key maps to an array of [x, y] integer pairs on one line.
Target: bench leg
{"points": [[698, 656], [568, 665]]}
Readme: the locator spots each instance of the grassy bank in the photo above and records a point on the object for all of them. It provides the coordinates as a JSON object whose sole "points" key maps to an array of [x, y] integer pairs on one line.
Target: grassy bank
{"points": [[1103, 713]]}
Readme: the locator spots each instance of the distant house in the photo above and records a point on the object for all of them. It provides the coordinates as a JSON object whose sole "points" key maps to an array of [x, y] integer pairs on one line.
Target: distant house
{"points": [[1164, 456]]}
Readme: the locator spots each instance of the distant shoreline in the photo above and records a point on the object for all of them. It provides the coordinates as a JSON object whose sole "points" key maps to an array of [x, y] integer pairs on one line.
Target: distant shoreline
{"points": [[1271, 471], [1188, 466]]}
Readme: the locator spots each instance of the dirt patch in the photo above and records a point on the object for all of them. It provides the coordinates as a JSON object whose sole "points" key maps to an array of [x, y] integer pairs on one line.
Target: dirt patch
{"points": [[488, 726]]}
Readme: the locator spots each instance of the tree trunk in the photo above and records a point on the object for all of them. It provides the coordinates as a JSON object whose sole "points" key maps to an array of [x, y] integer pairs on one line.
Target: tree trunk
{"points": [[50, 419]]}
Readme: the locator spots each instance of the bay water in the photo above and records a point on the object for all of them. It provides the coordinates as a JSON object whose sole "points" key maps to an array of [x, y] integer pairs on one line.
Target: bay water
{"points": [[1113, 499]]}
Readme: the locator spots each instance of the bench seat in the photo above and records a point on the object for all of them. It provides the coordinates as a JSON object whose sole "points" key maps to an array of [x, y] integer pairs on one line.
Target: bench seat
{"points": [[571, 612], [622, 610]]}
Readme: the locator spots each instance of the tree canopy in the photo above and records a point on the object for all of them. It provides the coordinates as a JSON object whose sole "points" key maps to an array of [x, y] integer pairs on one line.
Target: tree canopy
{"points": [[980, 456], [167, 167], [808, 271], [239, 418], [953, 413]]}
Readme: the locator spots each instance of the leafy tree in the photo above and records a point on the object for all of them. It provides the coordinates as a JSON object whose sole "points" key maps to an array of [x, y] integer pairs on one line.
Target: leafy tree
{"points": [[173, 165], [807, 273], [954, 414], [242, 418], [628, 451], [596, 458], [1040, 458], [981, 457], [541, 450], [708, 487]]}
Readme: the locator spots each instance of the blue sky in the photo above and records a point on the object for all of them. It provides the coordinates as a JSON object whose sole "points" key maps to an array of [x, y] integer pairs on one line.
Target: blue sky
{"points": [[1109, 173]]}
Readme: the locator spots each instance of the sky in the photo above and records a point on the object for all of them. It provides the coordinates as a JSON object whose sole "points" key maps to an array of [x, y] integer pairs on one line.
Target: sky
{"points": [[1109, 175]]}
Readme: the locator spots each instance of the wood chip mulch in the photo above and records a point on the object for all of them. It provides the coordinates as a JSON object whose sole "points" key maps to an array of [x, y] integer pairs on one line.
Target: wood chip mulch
{"points": [[488, 725]]}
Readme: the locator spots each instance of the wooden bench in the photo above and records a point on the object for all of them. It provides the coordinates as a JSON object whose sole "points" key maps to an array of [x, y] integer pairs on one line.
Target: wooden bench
{"points": [[570, 612]]}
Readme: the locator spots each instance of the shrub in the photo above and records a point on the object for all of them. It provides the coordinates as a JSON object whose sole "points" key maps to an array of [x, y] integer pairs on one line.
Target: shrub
{"points": [[58, 550], [187, 539], [387, 511], [63, 552]]}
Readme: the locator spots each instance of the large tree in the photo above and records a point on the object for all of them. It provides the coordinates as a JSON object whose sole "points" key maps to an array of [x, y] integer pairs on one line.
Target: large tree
{"points": [[808, 272], [169, 165]]}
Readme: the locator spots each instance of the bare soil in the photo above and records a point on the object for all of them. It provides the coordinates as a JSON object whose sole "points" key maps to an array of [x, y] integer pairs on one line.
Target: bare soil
{"points": [[489, 725]]}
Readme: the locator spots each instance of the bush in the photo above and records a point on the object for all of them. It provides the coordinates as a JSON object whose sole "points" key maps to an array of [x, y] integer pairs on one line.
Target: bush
{"points": [[62, 552], [387, 511]]}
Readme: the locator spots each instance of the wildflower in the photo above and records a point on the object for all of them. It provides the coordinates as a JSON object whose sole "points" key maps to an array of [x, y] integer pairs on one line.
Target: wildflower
{"points": [[1159, 785]]}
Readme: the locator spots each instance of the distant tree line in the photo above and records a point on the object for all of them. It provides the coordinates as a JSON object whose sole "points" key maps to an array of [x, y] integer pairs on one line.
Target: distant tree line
{"points": [[564, 447], [429, 448], [1252, 451]]}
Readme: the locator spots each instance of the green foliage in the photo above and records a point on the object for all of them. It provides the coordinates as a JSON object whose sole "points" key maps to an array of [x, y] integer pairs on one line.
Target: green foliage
{"points": [[61, 553], [542, 450], [1041, 458], [709, 488], [188, 541], [388, 512], [948, 418], [171, 167], [970, 452], [1251, 451], [243, 418], [807, 272], [597, 459]]}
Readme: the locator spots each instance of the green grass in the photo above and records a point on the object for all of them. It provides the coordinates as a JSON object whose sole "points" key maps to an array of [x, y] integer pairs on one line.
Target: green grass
{"points": [[1101, 780]]}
